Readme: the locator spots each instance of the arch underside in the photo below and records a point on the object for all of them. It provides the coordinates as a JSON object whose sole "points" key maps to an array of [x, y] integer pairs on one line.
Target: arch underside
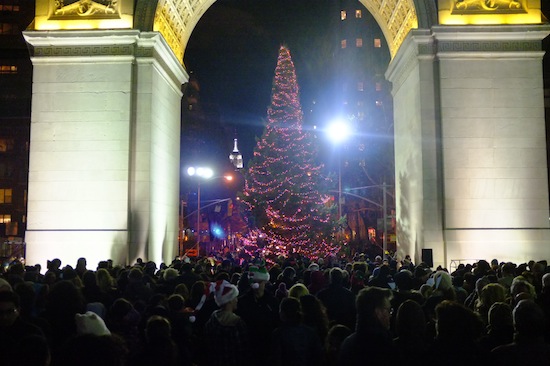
{"points": [[176, 19]]}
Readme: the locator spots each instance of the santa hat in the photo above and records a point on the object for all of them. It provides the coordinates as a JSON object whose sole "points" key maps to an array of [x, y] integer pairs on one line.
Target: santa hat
{"points": [[225, 292], [257, 274], [91, 323]]}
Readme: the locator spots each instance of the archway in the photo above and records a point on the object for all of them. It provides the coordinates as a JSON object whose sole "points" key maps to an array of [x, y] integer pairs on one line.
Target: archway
{"points": [[104, 163]]}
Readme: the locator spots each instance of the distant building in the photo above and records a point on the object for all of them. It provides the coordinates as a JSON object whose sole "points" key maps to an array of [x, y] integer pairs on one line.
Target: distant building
{"points": [[359, 94], [15, 116], [236, 157]]}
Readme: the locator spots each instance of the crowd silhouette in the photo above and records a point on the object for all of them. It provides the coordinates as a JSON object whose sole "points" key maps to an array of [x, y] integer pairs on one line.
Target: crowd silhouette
{"points": [[222, 310]]}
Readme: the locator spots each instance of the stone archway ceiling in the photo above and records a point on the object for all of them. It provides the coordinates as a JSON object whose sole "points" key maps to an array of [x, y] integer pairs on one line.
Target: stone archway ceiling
{"points": [[176, 19], [395, 17]]}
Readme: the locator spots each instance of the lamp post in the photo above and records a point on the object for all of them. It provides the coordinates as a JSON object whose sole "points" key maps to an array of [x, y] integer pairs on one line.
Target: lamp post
{"points": [[202, 173], [338, 132]]}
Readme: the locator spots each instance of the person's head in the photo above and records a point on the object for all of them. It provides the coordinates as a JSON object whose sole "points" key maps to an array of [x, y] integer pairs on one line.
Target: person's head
{"points": [[457, 323], [521, 286], [258, 276], [374, 307], [529, 320], [9, 308], [336, 335], [157, 329], [481, 283], [491, 293], [225, 295], [170, 274], [290, 311], [81, 262], [546, 281], [410, 320], [289, 272], [404, 280], [500, 317], [508, 269], [175, 302], [5, 285], [298, 290], [336, 276]]}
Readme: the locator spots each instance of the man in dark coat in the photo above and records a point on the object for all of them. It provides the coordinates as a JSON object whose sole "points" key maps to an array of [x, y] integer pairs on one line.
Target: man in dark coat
{"points": [[338, 300], [260, 311]]}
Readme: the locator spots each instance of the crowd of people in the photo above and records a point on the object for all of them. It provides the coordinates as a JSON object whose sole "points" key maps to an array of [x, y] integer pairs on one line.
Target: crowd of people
{"points": [[294, 311]]}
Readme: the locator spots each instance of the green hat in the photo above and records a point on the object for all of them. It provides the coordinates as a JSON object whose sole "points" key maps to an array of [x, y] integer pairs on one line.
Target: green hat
{"points": [[257, 274]]}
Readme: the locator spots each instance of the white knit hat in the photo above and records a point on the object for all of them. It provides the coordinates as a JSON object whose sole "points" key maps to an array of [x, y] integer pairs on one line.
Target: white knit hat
{"points": [[225, 292], [91, 323]]}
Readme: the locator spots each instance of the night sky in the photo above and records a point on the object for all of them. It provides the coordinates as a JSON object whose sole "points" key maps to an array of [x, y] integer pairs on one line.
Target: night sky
{"points": [[233, 53]]}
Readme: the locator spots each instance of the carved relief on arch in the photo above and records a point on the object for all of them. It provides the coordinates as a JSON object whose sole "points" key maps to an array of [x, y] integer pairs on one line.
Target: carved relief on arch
{"points": [[85, 8]]}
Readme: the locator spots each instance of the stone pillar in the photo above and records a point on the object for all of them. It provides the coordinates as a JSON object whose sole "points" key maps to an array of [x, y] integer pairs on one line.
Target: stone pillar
{"points": [[104, 150], [471, 167]]}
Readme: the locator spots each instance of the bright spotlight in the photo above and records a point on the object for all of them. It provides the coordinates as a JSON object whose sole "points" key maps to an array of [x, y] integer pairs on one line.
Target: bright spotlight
{"points": [[338, 131]]}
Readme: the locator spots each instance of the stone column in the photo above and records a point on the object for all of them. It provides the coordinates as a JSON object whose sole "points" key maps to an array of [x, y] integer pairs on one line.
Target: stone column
{"points": [[471, 165], [104, 151]]}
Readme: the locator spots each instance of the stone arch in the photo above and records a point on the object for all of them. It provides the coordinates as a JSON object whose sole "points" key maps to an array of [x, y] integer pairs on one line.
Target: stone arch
{"points": [[465, 84]]}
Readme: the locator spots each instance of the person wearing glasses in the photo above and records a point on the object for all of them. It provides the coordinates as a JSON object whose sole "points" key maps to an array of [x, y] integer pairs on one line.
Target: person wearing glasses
{"points": [[16, 335], [372, 340]]}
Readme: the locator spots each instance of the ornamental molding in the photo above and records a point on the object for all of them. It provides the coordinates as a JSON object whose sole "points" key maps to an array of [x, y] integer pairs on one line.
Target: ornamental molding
{"points": [[68, 51], [488, 46]]}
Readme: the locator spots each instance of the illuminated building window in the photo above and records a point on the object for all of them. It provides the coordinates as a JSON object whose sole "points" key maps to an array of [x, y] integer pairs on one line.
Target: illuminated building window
{"points": [[6, 195], [358, 14], [378, 86], [377, 43], [9, 28], [343, 43], [360, 86], [359, 42], [6, 145], [5, 219], [343, 15], [8, 69]]}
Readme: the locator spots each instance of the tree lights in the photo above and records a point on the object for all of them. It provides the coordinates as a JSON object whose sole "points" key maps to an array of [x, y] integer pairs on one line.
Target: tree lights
{"points": [[282, 184]]}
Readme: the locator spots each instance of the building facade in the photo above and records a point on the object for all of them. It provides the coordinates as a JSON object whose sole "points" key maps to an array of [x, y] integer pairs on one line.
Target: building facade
{"points": [[15, 112]]}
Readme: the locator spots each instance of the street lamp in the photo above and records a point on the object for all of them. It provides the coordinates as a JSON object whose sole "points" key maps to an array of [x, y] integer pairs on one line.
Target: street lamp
{"points": [[338, 132], [202, 173]]}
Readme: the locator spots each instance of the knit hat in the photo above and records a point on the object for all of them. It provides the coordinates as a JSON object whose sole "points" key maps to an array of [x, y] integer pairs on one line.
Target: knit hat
{"points": [[225, 292], [257, 274], [91, 323], [442, 281], [313, 267]]}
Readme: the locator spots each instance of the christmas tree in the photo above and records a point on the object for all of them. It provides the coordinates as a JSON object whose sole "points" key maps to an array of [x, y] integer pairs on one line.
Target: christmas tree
{"points": [[282, 187]]}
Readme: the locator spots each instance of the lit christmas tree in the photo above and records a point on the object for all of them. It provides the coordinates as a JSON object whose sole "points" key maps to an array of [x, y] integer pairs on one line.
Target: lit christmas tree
{"points": [[282, 187]]}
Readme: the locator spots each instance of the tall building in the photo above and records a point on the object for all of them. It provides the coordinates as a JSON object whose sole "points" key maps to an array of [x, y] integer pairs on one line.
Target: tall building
{"points": [[15, 112], [361, 96]]}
